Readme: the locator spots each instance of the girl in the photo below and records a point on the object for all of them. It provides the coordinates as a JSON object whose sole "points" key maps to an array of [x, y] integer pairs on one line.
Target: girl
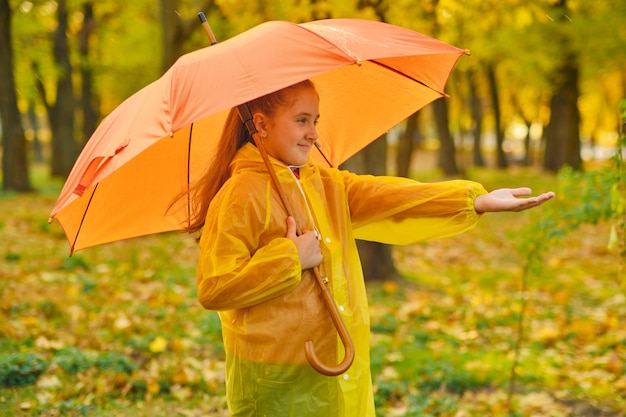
{"points": [[255, 270]]}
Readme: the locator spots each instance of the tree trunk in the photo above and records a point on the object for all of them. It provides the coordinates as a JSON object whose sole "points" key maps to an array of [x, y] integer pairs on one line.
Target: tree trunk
{"points": [[406, 143], [176, 30], [477, 115], [495, 101], [375, 257], [447, 149], [33, 121], [61, 113], [14, 161], [562, 133], [172, 42], [89, 100], [528, 158]]}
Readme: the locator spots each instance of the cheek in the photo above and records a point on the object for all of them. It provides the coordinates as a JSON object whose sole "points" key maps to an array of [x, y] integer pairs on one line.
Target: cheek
{"points": [[282, 137], [276, 144]]}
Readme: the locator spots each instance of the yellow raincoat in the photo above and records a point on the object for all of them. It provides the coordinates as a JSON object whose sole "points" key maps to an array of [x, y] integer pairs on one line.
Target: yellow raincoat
{"points": [[250, 272]]}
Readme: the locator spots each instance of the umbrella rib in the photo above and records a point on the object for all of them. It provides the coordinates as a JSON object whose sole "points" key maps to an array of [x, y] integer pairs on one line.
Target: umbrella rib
{"points": [[80, 226], [405, 75], [189, 176], [335, 46]]}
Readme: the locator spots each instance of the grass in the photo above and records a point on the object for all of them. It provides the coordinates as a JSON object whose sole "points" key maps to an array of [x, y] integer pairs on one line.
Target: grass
{"points": [[116, 330]]}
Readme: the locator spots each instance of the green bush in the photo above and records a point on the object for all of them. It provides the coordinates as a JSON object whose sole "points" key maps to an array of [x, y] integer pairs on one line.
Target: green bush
{"points": [[73, 360], [115, 362], [19, 369]]}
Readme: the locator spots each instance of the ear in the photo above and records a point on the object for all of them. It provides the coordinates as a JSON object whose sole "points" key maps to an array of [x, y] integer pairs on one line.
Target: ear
{"points": [[260, 122]]}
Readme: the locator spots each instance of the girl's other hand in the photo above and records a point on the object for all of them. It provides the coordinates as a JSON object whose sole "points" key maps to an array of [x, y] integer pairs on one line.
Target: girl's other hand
{"points": [[508, 199], [308, 245]]}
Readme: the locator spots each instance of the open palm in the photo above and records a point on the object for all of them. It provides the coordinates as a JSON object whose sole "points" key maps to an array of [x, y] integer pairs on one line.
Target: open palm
{"points": [[509, 199]]}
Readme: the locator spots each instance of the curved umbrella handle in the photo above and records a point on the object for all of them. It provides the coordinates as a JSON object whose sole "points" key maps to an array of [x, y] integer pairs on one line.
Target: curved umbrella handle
{"points": [[309, 349]]}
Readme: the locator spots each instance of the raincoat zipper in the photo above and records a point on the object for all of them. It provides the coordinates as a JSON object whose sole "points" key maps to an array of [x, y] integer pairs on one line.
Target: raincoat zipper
{"points": [[318, 235], [306, 202]]}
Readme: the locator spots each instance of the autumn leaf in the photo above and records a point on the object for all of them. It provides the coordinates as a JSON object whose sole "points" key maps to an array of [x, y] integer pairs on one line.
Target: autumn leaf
{"points": [[158, 345]]}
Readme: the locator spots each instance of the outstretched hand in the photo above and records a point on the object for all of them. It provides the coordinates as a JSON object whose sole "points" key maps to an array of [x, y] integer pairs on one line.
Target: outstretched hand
{"points": [[508, 199], [307, 243]]}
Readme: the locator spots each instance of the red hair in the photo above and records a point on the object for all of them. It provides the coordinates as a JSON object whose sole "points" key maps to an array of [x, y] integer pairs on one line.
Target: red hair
{"points": [[234, 136]]}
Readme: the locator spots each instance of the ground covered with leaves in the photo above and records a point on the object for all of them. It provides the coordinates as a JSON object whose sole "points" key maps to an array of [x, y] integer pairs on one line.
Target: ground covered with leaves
{"points": [[116, 330]]}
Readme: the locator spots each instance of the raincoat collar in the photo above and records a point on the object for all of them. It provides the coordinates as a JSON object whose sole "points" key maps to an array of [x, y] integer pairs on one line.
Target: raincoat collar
{"points": [[249, 157]]}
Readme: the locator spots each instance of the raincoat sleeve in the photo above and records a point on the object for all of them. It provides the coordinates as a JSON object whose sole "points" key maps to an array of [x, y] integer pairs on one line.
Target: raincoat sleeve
{"points": [[402, 211], [236, 268]]}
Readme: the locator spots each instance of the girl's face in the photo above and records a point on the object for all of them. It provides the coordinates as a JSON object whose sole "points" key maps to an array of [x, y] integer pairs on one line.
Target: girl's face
{"points": [[291, 132]]}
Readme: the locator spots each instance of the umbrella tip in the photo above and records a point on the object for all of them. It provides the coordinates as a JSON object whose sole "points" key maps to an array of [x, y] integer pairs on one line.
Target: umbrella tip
{"points": [[467, 52]]}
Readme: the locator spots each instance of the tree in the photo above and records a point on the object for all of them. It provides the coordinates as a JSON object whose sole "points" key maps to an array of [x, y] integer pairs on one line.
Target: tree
{"points": [[406, 143], [376, 258], [497, 116], [61, 110], [484, 27], [433, 18], [477, 117], [14, 162], [177, 29], [531, 44], [447, 149], [88, 96], [563, 130]]}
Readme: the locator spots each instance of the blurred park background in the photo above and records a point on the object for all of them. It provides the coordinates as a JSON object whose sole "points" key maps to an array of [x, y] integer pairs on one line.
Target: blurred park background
{"points": [[523, 316]]}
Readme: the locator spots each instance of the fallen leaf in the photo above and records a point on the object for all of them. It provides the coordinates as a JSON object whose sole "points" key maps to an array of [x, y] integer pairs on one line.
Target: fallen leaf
{"points": [[158, 345]]}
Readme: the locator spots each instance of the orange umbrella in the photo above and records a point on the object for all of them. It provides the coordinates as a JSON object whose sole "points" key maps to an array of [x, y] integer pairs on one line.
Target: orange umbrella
{"points": [[369, 75]]}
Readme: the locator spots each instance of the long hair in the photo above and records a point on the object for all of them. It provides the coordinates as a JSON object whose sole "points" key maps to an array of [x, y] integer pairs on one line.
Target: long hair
{"points": [[234, 136]]}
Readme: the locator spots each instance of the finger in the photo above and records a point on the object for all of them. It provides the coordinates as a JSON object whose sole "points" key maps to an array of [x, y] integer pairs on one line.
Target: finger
{"points": [[521, 191], [291, 228], [314, 232], [545, 197], [535, 201]]}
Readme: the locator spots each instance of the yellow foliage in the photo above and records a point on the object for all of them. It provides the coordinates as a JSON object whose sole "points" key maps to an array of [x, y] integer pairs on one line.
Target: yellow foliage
{"points": [[153, 387], [30, 321], [180, 377], [390, 287], [548, 334], [583, 328], [158, 345]]}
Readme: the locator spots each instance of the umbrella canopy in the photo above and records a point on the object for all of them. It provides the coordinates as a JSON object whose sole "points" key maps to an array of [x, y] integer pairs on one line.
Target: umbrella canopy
{"points": [[369, 75]]}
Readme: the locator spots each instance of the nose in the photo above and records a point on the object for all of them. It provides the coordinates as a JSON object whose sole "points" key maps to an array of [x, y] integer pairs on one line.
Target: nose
{"points": [[312, 133]]}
